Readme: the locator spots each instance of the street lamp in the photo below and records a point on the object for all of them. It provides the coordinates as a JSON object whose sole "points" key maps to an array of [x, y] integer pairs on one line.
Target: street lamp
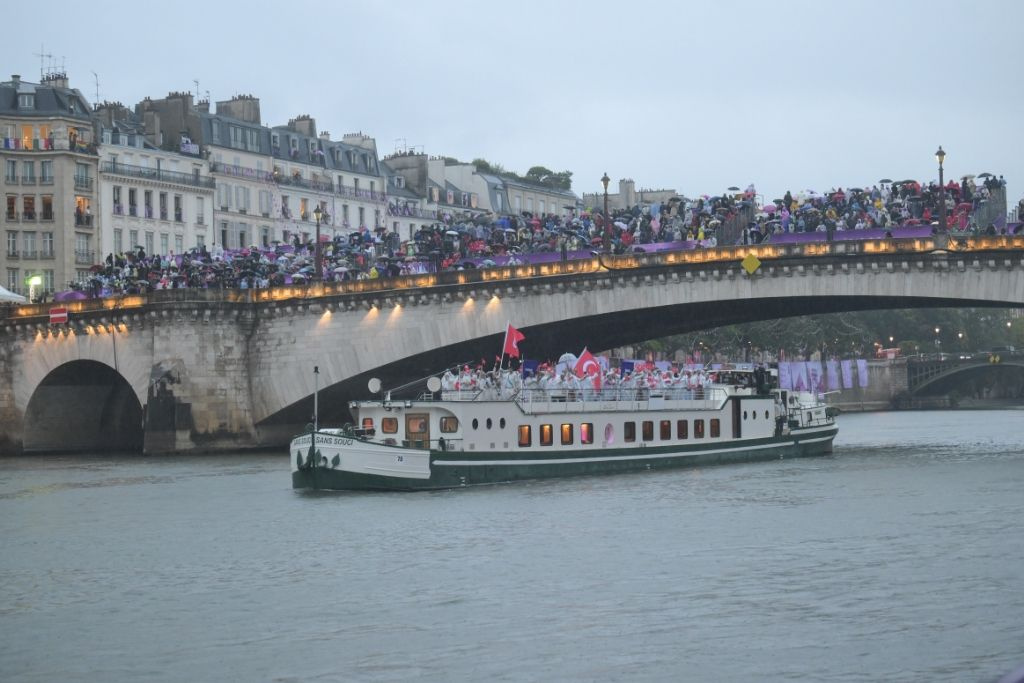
{"points": [[318, 259], [940, 156], [607, 223]]}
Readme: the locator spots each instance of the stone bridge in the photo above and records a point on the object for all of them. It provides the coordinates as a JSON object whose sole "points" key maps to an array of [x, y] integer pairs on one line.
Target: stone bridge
{"points": [[204, 370], [937, 375]]}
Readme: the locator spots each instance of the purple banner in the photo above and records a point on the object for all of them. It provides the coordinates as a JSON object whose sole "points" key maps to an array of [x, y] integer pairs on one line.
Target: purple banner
{"points": [[834, 381], [814, 379], [847, 367], [862, 372], [785, 379]]}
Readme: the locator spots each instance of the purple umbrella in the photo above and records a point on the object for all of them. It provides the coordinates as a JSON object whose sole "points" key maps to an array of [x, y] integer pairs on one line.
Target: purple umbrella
{"points": [[70, 295]]}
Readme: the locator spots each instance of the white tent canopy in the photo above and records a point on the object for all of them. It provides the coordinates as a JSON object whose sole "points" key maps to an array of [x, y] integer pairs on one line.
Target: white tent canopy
{"points": [[8, 295]]}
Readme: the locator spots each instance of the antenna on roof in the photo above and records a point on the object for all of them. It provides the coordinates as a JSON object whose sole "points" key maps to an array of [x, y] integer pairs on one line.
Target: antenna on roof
{"points": [[196, 81], [403, 146], [96, 77], [42, 54]]}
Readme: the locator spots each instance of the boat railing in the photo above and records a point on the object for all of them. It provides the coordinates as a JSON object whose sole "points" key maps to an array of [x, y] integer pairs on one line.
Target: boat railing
{"points": [[619, 399]]}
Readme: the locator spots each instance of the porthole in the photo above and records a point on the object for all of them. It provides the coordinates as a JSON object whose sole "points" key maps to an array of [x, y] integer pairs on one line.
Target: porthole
{"points": [[501, 423], [488, 423], [609, 434], [476, 423], [744, 415], [753, 414], [766, 414]]}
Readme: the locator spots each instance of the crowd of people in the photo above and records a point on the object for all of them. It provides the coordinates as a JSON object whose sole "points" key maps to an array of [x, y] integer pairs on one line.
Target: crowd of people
{"points": [[463, 241], [885, 205]]}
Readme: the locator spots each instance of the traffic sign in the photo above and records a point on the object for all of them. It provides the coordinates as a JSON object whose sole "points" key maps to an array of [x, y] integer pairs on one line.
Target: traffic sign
{"points": [[58, 315]]}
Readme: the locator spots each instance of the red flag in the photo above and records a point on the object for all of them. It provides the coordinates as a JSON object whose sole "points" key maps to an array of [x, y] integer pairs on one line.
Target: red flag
{"points": [[586, 364], [512, 339]]}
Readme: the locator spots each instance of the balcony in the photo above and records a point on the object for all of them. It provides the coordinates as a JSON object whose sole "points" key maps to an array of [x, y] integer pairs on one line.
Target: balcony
{"points": [[12, 254], [11, 179], [161, 175], [83, 220], [29, 254], [11, 216], [83, 183], [84, 257], [163, 214], [240, 172], [47, 215], [133, 210], [46, 180], [28, 144], [46, 255], [118, 210], [28, 216], [28, 180], [178, 218]]}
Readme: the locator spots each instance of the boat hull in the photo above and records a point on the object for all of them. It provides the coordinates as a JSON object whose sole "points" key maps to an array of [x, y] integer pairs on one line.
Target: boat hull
{"points": [[366, 466]]}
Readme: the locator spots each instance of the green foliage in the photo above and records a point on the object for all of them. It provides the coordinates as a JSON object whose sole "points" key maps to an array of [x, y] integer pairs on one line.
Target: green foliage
{"points": [[856, 334]]}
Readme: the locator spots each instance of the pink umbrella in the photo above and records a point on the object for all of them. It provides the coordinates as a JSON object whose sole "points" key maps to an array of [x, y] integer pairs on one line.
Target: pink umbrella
{"points": [[769, 208]]}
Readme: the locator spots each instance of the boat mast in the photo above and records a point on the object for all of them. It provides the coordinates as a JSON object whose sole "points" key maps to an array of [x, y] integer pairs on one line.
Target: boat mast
{"points": [[316, 402]]}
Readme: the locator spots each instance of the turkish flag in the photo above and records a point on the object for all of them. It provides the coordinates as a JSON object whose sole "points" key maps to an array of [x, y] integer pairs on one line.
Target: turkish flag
{"points": [[586, 364], [512, 339]]}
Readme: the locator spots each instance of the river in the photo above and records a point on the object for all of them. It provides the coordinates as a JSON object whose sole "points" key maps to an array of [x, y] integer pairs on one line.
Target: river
{"points": [[898, 558]]}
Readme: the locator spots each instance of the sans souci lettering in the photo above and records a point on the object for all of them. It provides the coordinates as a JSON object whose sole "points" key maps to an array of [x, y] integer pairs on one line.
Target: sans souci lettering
{"points": [[325, 440]]}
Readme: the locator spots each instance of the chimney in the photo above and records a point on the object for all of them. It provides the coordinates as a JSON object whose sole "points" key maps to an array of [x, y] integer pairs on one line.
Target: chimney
{"points": [[15, 79], [303, 124]]}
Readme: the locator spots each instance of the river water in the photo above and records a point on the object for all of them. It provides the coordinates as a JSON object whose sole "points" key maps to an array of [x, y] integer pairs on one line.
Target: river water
{"points": [[898, 558]]}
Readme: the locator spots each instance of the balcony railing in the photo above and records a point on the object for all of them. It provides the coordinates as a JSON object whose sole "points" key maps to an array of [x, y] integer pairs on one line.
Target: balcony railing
{"points": [[11, 179], [133, 210], [47, 215], [83, 220], [240, 171], [83, 183], [12, 254], [28, 180], [11, 216], [157, 174], [83, 257], [163, 214], [46, 254], [46, 180], [28, 216], [30, 254]]}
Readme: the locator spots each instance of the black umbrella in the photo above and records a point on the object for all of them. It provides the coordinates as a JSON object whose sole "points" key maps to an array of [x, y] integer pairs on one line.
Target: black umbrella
{"points": [[734, 189], [885, 180], [986, 175]]}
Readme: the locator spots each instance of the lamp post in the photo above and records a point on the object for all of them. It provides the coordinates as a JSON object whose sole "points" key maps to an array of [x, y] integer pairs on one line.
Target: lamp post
{"points": [[940, 157], [607, 223], [318, 259]]}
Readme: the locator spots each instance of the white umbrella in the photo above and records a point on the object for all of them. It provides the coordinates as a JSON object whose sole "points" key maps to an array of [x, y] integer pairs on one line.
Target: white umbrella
{"points": [[8, 295]]}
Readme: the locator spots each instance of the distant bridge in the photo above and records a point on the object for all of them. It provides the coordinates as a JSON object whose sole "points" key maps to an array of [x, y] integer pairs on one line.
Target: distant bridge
{"points": [[926, 375], [192, 370]]}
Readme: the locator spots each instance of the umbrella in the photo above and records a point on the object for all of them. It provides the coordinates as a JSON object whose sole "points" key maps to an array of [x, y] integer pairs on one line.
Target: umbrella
{"points": [[967, 177], [769, 208], [986, 175], [70, 295], [341, 269], [733, 189], [885, 180]]}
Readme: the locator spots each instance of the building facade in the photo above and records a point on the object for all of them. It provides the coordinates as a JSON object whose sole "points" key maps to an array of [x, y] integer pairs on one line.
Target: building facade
{"points": [[628, 196], [49, 160], [151, 198]]}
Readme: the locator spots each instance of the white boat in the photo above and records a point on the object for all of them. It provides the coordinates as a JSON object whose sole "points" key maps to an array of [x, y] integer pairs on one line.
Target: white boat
{"points": [[452, 437]]}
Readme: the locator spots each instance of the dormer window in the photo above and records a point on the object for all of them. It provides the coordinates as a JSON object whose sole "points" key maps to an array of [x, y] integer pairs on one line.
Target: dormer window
{"points": [[275, 140], [26, 101], [399, 181]]}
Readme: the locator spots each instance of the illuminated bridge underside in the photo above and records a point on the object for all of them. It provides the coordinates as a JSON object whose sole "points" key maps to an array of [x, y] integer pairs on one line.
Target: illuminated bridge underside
{"points": [[219, 370]]}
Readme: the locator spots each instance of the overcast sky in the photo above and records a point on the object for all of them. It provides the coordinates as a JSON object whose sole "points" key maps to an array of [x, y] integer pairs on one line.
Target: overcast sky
{"points": [[683, 95]]}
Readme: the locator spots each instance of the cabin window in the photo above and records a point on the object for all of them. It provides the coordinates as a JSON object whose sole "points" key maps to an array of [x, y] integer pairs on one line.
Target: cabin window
{"points": [[665, 429], [566, 434], [744, 415], [367, 423], [716, 428], [488, 423], [525, 436], [753, 414], [501, 423], [682, 429], [698, 429], [547, 435], [449, 424], [476, 423], [648, 428], [609, 434], [416, 424], [586, 433], [389, 425], [629, 432], [766, 414]]}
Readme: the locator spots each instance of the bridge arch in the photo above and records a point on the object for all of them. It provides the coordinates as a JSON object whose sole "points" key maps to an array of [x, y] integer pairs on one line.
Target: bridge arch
{"points": [[1006, 373], [83, 406]]}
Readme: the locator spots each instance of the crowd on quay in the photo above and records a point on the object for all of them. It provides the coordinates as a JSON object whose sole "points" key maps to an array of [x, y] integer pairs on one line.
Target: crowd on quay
{"points": [[885, 205], [463, 241]]}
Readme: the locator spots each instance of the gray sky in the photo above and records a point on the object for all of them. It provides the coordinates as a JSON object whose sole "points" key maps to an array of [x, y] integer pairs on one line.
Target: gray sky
{"points": [[684, 95]]}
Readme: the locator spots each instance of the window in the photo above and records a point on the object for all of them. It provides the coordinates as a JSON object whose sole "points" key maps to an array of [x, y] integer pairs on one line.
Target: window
{"points": [[26, 101], [389, 425], [648, 430], [47, 246], [149, 243], [547, 435], [165, 243], [12, 172], [367, 423], [587, 433], [566, 434], [716, 427], [118, 245], [133, 202], [29, 240], [665, 429], [13, 279], [698, 429], [525, 436], [489, 423], [682, 429], [147, 199], [12, 243], [629, 432], [200, 219], [163, 206], [362, 216], [179, 211], [12, 207], [46, 172], [47, 207], [475, 423], [28, 172], [449, 424], [133, 237]]}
